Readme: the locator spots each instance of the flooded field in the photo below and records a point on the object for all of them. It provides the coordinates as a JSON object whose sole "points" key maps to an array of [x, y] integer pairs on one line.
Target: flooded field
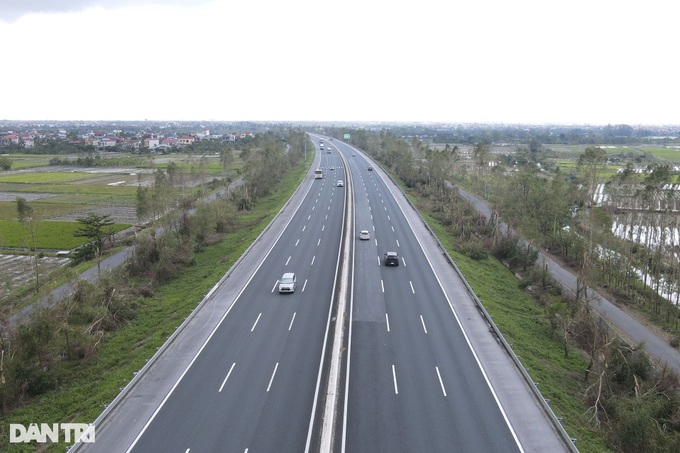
{"points": [[17, 270]]}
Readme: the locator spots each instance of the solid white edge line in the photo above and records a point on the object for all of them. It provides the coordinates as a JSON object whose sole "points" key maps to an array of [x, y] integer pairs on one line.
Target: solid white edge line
{"points": [[227, 377]]}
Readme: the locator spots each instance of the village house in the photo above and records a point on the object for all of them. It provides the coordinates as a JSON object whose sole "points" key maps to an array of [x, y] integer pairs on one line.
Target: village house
{"points": [[186, 140]]}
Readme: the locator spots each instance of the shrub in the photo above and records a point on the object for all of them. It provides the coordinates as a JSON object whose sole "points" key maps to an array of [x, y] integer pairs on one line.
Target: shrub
{"points": [[474, 249]]}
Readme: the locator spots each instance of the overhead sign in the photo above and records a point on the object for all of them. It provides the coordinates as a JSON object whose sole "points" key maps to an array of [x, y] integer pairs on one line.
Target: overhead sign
{"points": [[347, 137]]}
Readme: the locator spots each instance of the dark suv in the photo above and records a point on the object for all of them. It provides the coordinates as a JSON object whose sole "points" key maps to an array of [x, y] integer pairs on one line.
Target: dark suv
{"points": [[391, 259]]}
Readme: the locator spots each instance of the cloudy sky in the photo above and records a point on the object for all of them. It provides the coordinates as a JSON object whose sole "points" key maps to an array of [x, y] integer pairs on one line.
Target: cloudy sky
{"points": [[525, 61]]}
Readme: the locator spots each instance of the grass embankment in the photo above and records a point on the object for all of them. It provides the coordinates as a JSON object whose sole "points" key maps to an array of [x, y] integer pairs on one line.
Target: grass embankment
{"points": [[526, 328], [87, 388]]}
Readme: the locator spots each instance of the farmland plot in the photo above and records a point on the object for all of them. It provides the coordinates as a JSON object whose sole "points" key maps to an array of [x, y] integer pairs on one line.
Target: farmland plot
{"points": [[17, 270]]}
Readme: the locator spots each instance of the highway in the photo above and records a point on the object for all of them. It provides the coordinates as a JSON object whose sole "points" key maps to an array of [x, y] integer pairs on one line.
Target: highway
{"points": [[248, 372]]}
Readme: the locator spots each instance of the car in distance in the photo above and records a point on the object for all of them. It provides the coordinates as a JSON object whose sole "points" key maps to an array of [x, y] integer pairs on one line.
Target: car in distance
{"points": [[340, 183], [331, 168], [391, 259], [288, 283], [369, 168], [364, 235]]}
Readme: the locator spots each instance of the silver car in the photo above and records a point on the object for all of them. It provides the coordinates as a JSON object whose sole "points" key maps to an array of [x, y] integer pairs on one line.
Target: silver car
{"points": [[288, 283]]}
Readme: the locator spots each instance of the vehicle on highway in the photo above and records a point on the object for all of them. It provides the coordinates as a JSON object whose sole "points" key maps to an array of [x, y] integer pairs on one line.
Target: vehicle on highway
{"points": [[332, 168], [391, 259], [288, 283], [340, 183], [354, 155], [318, 173], [364, 235], [328, 152], [369, 168]]}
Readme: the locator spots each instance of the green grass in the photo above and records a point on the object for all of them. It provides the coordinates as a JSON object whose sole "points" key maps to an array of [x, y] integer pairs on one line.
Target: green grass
{"points": [[74, 189], [43, 177], [49, 208], [672, 154], [571, 167], [49, 235], [87, 388]]}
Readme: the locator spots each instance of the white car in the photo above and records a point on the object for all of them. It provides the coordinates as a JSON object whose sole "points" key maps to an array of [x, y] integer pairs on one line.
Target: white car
{"points": [[288, 283], [364, 235], [340, 183]]}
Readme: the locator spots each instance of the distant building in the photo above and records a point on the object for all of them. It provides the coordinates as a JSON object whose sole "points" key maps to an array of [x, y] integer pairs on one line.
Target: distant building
{"points": [[151, 143], [186, 140], [171, 141]]}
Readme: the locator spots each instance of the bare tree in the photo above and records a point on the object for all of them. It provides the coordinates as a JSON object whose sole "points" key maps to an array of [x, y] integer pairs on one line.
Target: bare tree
{"points": [[27, 217]]}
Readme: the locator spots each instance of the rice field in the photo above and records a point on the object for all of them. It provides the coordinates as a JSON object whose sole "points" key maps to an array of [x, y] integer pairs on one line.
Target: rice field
{"points": [[49, 235], [671, 153]]}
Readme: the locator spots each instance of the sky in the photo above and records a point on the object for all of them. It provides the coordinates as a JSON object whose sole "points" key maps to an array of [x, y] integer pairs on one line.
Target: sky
{"points": [[474, 61]]}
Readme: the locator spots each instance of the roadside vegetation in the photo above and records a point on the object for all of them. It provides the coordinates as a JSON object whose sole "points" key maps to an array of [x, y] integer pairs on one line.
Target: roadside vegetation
{"points": [[608, 393], [70, 359]]}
